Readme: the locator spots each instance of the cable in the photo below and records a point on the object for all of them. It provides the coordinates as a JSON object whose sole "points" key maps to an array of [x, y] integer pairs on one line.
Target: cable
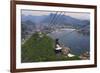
{"points": [[52, 19], [58, 18]]}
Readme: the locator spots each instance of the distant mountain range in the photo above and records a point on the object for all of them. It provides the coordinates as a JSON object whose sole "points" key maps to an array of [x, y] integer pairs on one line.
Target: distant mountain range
{"points": [[29, 23], [55, 19], [35, 19]]}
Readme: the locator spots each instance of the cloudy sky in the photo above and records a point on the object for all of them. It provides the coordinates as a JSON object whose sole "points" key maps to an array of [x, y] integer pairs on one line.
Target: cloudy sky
{"points": [[78, 15]]}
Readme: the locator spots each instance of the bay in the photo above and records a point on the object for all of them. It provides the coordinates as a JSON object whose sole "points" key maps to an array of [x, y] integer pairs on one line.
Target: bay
{"points": [[77, 42]]}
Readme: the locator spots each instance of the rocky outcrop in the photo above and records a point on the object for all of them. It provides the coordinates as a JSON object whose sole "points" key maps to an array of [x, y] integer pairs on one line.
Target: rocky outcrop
{"points": [[65, 51], [85, 56]]}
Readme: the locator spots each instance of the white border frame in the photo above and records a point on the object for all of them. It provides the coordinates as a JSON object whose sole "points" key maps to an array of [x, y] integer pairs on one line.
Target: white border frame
{"points": [[20, 65]]}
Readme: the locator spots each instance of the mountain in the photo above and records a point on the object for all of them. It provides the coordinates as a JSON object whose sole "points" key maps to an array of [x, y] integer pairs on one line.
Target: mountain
{"points": [[27, 28], [55, 20], [64, 20], [35, 19], [29, 25]]}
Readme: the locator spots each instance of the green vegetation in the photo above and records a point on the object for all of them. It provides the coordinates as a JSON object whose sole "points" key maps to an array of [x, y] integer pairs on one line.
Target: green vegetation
{"points": [[38, 49]]}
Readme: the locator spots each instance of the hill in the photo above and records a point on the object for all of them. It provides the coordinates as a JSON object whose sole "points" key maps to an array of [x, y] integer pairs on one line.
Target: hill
{"points": [[38, 49]]}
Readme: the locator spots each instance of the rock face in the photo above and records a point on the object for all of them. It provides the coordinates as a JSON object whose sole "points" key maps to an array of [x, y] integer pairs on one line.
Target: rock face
{"points": [[65, 51], [85, 56]]}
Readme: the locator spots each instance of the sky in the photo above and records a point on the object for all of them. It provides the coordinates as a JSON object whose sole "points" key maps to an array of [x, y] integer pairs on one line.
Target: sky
{"points": [[78, 15]]}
